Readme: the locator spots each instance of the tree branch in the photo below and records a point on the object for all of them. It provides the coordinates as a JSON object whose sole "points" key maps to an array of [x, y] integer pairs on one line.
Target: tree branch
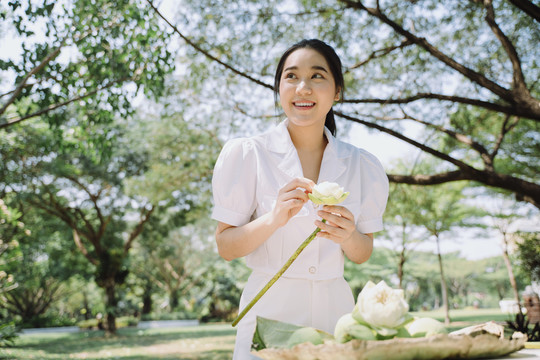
{"points": [[380, 53], [41, 65], [400, 136], [523, 190], [82, 248], [93, 198], [64, 103], [423, 43], [427, 179], [464, 139], [35, 70], [206, 53], [528, 7], [518, 79], [510, 110], [145, 216], [505, 129]]}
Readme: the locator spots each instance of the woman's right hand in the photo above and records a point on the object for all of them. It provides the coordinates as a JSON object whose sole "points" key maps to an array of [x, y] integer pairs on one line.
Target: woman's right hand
{"points": [[291, 198]]}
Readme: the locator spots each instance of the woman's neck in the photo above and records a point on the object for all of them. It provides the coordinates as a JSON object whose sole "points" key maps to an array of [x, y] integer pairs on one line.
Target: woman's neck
{"points": [[307, 138]]}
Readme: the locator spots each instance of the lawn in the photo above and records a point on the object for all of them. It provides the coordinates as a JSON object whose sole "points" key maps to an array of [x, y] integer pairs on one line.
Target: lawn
{"points": [[203, 342]]}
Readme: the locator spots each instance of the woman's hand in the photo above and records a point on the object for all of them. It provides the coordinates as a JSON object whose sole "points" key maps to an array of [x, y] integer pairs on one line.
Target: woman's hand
{"points": [[290, 200], [339, 226]]}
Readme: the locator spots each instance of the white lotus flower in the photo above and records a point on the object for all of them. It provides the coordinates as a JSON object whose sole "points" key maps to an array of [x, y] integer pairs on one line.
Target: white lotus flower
{"points": [[381, 307], [347, 328], [327, 193], [424, 327]]}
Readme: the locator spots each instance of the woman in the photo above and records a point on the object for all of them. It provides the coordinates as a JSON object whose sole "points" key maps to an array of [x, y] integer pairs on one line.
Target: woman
{"points": [[260, 189]]}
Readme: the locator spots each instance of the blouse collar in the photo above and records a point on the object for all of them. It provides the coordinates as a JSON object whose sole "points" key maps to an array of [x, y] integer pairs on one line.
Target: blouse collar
{"points": [[279, 141]]}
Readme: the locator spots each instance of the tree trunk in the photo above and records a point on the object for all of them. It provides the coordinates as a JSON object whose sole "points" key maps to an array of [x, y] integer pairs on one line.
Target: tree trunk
{"points": [[112, 303], [400, 268], [86, 305], [173, 301], [402, 257], [444, 288], [508, 264], [147, 303]]}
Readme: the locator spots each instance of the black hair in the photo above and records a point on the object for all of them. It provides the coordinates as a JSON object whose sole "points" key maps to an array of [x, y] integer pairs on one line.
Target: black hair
{"points": [[333, 62]]}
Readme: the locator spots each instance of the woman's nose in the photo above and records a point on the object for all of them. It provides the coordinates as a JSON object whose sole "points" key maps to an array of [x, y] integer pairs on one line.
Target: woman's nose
{"points": [[303, 88]]}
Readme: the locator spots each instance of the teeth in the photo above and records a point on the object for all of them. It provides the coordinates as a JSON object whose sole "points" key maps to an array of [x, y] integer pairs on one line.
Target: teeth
{"points": [[303, 104]]}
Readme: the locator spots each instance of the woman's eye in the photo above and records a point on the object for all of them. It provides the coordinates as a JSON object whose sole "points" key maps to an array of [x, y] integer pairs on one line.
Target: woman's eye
{"points": [[317, 76], [289, 76]]}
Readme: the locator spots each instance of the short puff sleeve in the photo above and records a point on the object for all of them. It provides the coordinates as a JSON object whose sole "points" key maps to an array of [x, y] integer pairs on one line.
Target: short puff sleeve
{"points": [[374, 195], [234, 183]]}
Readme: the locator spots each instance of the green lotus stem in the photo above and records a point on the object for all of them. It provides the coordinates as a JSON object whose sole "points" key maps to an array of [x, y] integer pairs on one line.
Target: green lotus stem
{"points": [[277, 276]]}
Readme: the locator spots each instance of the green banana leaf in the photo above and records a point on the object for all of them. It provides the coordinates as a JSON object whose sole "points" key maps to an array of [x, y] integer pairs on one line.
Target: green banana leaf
{"points": [[280, 335]]}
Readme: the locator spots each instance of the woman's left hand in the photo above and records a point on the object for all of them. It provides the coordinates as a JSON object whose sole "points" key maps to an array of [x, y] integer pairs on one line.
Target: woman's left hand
{"points": [[339, 226]]}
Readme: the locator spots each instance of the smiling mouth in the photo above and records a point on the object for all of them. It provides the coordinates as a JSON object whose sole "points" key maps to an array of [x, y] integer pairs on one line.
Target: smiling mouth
{"points": [[304, 104]]}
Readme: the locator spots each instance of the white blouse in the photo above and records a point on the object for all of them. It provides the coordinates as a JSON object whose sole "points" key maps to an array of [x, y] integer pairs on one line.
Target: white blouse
{"points": [[248, 175]]}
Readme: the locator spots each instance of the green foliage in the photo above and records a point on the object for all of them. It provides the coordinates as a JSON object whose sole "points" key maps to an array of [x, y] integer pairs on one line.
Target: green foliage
{"points": [[95, 324], [521, 324], [8, 333], [84, 56], [176, 315], [375, 269], [180, 157], [529, 254], [281, 335], [452, 78], [221, 293]]}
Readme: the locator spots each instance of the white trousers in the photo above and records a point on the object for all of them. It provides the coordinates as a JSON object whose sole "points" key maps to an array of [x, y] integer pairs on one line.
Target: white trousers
{"points": [[315, 303]]}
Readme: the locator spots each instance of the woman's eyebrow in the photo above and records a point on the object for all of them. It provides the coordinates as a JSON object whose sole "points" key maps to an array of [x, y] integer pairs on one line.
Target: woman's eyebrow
{"points": [[315, 67]]}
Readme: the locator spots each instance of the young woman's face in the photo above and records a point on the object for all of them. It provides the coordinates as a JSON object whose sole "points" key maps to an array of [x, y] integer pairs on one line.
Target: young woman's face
{"points": [[307, 88]]}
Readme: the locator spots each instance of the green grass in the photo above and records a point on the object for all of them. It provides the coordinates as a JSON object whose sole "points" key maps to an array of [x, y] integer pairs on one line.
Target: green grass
{"points": [[203, 342]]}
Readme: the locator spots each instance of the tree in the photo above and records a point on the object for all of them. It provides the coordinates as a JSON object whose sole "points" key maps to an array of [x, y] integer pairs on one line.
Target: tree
{"points": [[220, 293], [375, 269], [441, 210], [403, 229], [494, 279], [9, 247], [529, 255], [503, 216], [80, 54], [171, 255], [87, 195], [47, 260], [420, 62]]}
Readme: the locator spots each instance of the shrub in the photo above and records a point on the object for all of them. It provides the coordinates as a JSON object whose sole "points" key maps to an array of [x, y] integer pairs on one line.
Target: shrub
{"points": [[179, 315], [124, 321], [8, 333]]}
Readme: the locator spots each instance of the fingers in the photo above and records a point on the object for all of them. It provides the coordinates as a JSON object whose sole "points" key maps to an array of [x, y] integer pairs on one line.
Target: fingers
{"points": [[339, 224], [303, 183], [331, 231], [291, 198], [293, 191], [336, 214]]}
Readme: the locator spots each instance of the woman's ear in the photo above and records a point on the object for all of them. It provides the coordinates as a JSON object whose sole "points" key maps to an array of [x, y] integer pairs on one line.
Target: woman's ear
{"points": [[338, 93]]}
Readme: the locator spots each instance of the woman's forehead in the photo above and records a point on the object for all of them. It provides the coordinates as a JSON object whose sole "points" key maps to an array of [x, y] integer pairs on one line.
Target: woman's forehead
{"points": [[305, 58]]}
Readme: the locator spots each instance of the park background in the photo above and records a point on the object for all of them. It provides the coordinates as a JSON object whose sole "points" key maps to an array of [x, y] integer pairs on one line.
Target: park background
{"points": [[112, 115]]}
